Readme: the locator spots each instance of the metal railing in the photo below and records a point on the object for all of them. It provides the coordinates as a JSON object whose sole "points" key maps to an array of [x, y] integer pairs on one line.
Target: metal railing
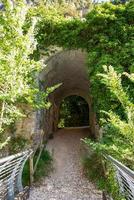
{"points": [[125, 178], [11, 169]]}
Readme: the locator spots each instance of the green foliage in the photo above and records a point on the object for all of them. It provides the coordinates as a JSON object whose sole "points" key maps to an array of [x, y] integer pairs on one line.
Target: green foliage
{"points": [[102, 174], [93, 169], [43, 168], [118, 133], [124, 128], [75, 3], [106, 34], [17, 69], [26, 174], [18, 84], [112, 43], [44, 165], [17, 144]]}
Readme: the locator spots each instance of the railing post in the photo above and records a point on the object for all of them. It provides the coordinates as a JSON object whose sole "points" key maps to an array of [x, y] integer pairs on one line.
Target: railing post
{"points": [[19, 176], [12, 180], [10, 193], [31, 169]]}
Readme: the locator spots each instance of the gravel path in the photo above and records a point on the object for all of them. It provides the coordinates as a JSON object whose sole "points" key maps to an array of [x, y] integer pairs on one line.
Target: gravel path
{"points": [[66, 182]]}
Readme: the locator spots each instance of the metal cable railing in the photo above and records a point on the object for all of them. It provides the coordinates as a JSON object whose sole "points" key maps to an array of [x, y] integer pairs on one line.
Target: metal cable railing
{"points": [[11, 169], [125, 177]]}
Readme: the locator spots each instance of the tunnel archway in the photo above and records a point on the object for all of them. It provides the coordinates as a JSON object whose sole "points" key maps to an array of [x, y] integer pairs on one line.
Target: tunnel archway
{"points": [[73, 112], [69, 68]]}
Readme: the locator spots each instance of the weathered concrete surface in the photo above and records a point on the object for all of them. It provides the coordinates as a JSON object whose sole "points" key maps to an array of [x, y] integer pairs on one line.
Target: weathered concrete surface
{"points": [[67, 181]]}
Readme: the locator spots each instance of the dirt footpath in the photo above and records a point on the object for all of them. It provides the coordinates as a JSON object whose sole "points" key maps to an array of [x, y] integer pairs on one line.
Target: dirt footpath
{"points": [[66, 182]]}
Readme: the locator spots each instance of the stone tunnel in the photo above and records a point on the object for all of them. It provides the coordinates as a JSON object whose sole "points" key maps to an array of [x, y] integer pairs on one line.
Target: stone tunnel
{"points": [[69, 69]]}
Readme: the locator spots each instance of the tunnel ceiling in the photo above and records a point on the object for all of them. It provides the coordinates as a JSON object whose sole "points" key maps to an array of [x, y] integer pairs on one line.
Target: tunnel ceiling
{"points": [[69, 69]]}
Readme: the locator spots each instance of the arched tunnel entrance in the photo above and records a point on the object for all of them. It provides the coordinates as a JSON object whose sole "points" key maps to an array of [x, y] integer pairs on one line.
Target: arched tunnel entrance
{"points": [[69, 69], [66, 147], [74, 112]]}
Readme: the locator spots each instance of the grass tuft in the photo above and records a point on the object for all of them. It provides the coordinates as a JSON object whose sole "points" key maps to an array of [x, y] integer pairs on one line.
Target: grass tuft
{"points": [[43, 168]]}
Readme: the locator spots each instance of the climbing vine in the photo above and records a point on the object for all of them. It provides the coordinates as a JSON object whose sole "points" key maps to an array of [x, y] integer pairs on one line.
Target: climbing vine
{"points": [[106, 34]]}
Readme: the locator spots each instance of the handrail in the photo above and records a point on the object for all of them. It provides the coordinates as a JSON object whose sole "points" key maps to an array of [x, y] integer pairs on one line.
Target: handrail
{"points": [[11, 169], [121, 166], [125, 178], [2, 160]]}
